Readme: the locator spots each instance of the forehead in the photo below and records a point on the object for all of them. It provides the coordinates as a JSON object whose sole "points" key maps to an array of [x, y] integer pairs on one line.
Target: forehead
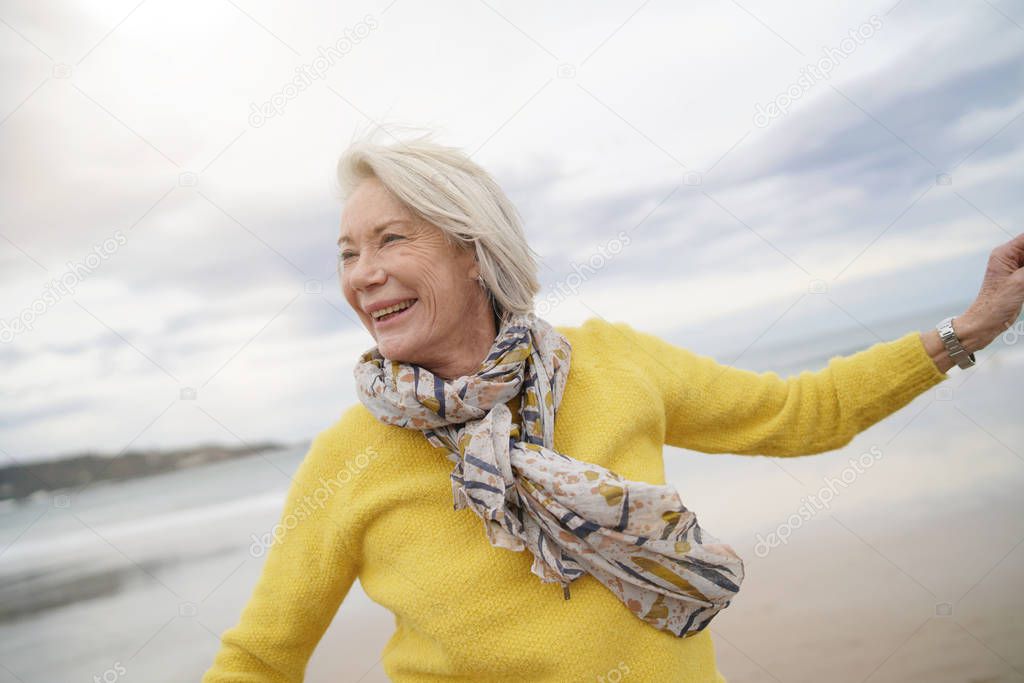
{"points": [[348, 236], [370, 209]]}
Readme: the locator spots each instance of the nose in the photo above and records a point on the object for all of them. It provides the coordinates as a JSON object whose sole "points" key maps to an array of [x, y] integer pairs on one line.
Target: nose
{"points": [[365, 272]]}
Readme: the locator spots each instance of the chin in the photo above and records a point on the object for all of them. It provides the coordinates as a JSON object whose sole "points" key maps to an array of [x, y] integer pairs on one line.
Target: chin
{"points": [[393, 351]]}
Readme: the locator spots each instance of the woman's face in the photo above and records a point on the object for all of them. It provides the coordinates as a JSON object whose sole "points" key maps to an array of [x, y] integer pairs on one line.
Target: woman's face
{"points": [[388, 254]]}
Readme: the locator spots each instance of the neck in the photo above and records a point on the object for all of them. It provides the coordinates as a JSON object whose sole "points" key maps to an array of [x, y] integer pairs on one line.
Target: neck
{"points": [[478, 343]]}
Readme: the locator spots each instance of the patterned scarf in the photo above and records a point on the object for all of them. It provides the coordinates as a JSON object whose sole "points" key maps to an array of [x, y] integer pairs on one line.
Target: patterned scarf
{"points": [[576, 517]]}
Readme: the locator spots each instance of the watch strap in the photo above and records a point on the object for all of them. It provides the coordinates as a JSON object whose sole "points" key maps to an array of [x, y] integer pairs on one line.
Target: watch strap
{"points": [[952, 343]]}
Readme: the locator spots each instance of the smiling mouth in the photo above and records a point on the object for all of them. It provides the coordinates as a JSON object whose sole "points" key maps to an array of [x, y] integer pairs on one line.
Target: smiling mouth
{"points": [[395, 315]]}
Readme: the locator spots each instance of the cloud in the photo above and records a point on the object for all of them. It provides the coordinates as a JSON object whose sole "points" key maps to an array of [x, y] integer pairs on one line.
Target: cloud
{"points": [[228, 268]]}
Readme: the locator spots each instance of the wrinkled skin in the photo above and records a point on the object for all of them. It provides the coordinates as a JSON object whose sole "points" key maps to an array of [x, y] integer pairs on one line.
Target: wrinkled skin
{"points": [[451, 327]]}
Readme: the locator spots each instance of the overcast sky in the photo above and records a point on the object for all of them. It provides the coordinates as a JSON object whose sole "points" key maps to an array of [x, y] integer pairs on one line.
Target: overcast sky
{"points": [[755, 173]]}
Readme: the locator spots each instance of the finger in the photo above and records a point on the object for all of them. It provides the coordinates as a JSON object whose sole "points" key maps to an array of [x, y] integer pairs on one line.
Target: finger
{"points": [[1011, 252], [1016, 245]]}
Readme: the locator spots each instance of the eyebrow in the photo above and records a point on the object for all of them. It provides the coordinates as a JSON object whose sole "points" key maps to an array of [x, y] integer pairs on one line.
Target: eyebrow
{"points": [[376, 231]]}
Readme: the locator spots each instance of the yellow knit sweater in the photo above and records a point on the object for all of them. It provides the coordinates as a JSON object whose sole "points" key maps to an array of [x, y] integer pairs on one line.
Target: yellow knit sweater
{"points": [[374, 501]]}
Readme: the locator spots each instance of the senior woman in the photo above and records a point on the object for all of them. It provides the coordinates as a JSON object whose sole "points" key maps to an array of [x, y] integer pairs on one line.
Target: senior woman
{"points": [[511, 545]]}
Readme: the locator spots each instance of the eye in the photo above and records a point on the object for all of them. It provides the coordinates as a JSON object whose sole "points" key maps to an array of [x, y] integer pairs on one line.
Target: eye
{"points": [[346, 255]]}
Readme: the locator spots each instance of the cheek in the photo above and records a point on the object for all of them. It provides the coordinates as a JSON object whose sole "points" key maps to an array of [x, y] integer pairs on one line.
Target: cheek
{"points": [[423, 275], [350, 296]]}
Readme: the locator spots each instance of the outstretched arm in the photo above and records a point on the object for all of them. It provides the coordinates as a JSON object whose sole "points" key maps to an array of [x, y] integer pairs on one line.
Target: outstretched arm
{"points": [[721, 409], [718, 408]]}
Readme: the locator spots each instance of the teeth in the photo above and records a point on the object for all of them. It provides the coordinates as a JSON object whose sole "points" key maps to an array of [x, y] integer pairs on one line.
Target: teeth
{"points": [[391, 309]]}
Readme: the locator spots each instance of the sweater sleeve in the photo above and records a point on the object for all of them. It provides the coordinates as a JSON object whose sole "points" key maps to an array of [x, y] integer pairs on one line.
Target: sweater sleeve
{"points": [[307, 573], [716, 408]]}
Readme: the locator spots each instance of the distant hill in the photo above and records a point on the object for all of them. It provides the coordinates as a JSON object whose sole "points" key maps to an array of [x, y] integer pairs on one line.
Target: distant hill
{"points": [[22, 480]]}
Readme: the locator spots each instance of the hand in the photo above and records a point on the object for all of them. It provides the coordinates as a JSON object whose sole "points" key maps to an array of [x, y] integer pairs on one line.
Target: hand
{"points": [[1001, 297]]}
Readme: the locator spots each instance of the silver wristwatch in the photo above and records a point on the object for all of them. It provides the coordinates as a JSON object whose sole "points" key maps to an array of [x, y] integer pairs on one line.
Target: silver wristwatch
{"points": [[956, 350]]}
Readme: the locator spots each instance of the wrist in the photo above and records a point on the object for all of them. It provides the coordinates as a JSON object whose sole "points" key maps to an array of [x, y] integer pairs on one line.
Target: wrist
{"points": [[973, 336]]}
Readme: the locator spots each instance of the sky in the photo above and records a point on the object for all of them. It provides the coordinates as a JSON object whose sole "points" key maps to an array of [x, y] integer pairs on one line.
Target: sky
{"points": [[735, 177]]}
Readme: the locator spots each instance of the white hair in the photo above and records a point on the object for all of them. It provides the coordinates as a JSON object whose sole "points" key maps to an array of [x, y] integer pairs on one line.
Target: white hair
{"points": [[442, 185]]}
